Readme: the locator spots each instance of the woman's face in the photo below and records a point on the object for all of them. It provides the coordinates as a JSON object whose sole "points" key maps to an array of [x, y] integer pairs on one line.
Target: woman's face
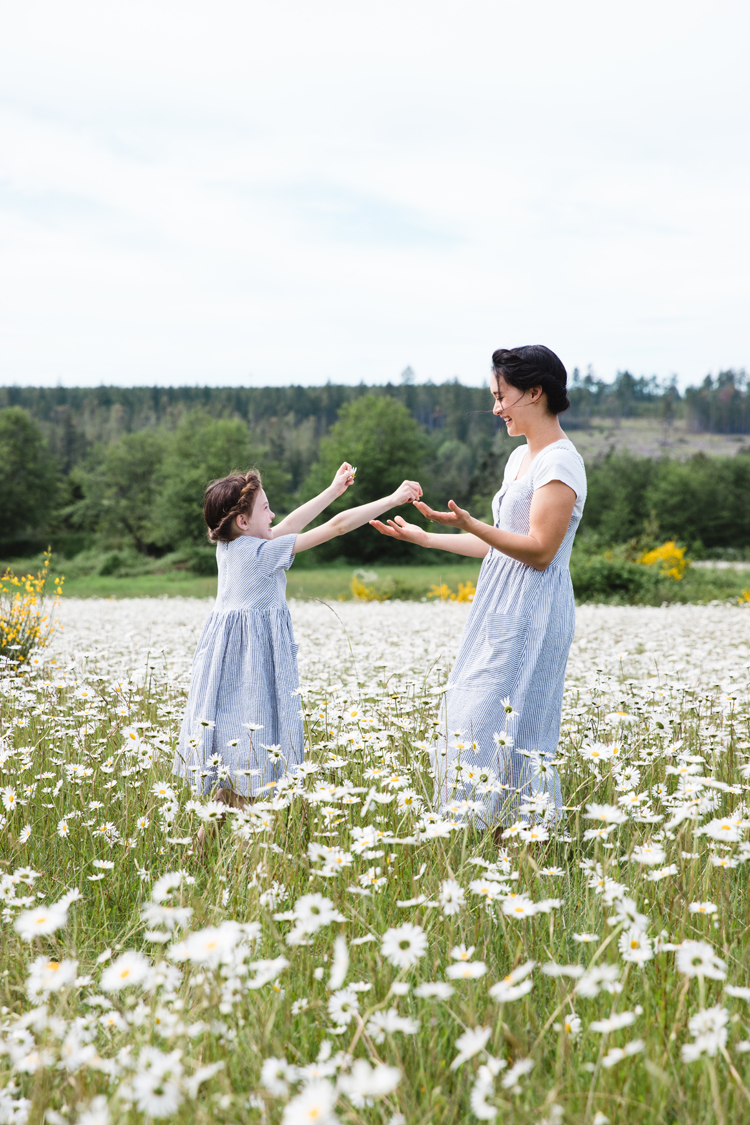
{"points": [[258, 524], [512, 405]]}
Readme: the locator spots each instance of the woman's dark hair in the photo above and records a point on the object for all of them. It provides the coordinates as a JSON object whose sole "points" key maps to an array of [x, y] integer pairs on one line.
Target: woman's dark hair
{"points": [[226, 498], [534, 366]]}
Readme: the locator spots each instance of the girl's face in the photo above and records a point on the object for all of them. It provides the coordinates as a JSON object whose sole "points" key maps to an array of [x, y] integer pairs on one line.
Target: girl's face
{"points": [[512, 405], [259, 523]]}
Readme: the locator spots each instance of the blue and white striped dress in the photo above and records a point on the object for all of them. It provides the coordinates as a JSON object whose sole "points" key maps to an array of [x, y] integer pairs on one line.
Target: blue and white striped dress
{"points": [[245, 672], [515, 645]]}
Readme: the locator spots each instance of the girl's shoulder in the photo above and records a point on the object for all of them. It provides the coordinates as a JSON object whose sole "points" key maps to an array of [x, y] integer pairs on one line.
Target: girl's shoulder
{"points": [[269, 555]]}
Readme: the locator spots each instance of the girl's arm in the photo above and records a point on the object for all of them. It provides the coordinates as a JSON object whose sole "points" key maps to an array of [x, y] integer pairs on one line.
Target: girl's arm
{"points": [[306, 513], [357, 517], [470, 545], [549, 518]]}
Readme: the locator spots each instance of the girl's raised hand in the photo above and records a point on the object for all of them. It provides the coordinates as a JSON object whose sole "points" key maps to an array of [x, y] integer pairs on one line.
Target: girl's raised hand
{"points": [[400, 529], [407, 492], [343, 479], [456, 517]]}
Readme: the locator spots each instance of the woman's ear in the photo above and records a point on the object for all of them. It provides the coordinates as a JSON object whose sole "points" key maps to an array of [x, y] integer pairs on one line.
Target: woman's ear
{"points": [[536, 393]]}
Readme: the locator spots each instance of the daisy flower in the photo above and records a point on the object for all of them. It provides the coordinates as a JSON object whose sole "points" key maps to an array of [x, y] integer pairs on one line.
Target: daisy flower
{"points": [[697, 958], [702, 908], [469, 1044], [404, 945], [130, 968]]}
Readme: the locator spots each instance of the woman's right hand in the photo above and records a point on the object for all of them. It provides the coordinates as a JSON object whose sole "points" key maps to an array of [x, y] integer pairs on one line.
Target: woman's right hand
{"points": [[400, 529]]}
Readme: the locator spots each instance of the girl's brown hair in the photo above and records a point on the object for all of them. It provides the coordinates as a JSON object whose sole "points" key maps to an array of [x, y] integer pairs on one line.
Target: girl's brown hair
{"points": [[226, 498]]}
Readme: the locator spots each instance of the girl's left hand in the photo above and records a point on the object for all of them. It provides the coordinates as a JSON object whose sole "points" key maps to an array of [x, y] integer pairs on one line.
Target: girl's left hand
{"points": [[343, 479], [456, 517]]}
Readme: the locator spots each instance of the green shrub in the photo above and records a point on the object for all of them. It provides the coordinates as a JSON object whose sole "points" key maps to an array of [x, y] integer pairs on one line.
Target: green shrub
{"points": [[608, 578], [202, 561], [110, 564]]}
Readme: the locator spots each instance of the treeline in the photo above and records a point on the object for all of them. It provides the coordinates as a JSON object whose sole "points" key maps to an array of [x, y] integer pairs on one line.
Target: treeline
{"points": [[719, 405], [125, 468], [144, 489], [75, 419]]}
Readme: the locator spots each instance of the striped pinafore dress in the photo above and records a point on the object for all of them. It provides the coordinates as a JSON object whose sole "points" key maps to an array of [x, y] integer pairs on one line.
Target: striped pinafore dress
{"points": [[243, 701], [513, 652]]}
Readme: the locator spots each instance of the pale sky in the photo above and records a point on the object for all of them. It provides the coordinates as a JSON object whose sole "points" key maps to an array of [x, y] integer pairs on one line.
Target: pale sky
{"points": [[285, 191]]}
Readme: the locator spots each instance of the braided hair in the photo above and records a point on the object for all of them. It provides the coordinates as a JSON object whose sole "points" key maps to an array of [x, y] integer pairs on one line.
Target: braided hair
{"points": [[226, 498]]}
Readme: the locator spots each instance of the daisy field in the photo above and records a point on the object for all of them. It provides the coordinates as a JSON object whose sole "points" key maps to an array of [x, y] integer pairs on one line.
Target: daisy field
{"points": [[344, 949]]}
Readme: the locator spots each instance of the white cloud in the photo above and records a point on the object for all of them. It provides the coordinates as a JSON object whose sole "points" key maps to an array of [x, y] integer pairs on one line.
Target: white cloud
{"points": [[296, 192]]}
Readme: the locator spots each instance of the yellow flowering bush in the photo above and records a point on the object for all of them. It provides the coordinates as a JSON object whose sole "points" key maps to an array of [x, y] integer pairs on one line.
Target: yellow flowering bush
{"points": [[465, 592], [363, 593], [25, 623], [385, 590], [669, 558]]}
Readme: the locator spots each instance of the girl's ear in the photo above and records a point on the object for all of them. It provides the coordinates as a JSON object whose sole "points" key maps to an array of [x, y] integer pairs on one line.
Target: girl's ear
{"points": [[240, 522]]}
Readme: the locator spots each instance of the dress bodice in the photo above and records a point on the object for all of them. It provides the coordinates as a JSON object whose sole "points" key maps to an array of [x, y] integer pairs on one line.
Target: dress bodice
{"points": [[511, 505], [252, 573]]}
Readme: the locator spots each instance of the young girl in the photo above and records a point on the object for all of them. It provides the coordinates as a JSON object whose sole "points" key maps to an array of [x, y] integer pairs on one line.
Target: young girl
{"points": [[505, 690], [243, 723]]}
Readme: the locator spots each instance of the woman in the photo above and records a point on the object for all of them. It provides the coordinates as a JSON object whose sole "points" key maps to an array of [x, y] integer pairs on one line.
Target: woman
{"points": [[504, 696]]}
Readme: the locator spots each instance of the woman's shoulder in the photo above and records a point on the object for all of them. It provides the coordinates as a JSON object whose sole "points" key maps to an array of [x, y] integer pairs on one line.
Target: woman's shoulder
{"points": [[560, 461], [559, 451]]}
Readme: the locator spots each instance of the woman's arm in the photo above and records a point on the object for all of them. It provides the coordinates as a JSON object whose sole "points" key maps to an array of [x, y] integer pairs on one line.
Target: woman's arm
{"points": [[549, 518], [407, 492], [306, 513], [469, 545]]}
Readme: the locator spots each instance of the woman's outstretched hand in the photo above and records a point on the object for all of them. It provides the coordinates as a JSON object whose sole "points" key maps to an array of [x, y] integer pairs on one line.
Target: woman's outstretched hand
{"points": [[400, 529], [456, 517], [343, 479]]}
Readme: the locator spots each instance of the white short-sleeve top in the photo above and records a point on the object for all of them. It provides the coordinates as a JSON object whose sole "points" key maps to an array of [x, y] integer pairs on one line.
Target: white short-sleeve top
{"points": [[558, 461]]}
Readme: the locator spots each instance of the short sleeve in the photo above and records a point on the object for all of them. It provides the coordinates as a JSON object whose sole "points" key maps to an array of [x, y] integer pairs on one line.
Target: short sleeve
{"points": [[565, 465], [276, 554]]}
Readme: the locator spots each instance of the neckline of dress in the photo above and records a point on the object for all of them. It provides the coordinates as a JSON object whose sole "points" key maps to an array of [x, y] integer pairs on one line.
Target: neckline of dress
{"points": [[517, 480]]}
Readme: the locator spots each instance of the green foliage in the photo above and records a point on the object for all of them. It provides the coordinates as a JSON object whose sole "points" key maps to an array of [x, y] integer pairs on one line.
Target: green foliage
{"points": [[204, 449], [134, 462], [705, 499], [606, 578], [201, 561], [380, 438], [450, 473], [119, 487], [616, 501], [702, 501], [28, 475]]}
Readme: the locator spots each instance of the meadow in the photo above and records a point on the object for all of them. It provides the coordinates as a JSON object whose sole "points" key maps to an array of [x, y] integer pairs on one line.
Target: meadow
{"points": [[344, 950], [328, 582], [595, 579]]}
